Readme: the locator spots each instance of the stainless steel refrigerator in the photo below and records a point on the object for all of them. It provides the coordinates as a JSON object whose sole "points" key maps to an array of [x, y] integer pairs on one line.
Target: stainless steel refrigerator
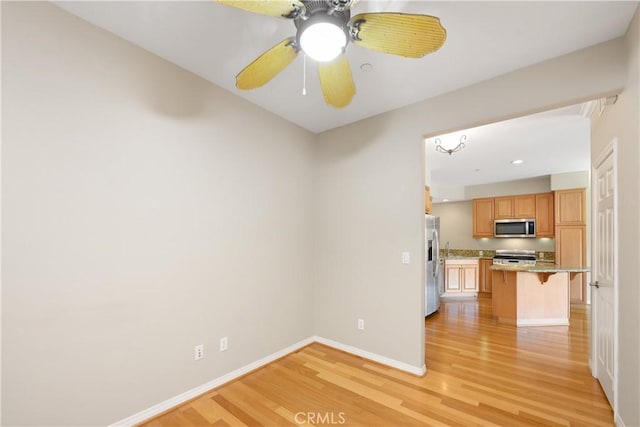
{"points": [[432, 264]]}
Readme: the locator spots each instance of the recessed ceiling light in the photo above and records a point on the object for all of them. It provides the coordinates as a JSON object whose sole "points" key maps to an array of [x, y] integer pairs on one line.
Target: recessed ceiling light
{"points": [[516, 162], [445, 200]]}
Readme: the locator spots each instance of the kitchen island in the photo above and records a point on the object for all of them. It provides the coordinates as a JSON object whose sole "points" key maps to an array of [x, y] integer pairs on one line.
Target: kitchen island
{"points": [[535, 295]]}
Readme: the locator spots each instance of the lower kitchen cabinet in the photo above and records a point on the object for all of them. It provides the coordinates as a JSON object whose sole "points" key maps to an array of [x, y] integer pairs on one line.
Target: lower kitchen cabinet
{"points": [[485, 276], [461, 277]]}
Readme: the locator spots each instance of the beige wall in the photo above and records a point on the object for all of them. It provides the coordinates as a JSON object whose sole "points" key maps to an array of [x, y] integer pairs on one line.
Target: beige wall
{"points": [[541, 184], [569, 180], [621, 121], [369, 210], [145, 211]]}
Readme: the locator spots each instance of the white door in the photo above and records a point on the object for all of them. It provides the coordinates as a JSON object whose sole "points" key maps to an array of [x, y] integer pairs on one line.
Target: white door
{"points": [[603, 285]]}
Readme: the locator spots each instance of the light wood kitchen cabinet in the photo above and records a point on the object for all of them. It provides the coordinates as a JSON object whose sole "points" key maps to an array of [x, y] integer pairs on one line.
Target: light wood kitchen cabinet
{"points": [[483, 217], [461, 275], [503, 207], [508, 207], [570, 207], [427, 200], [570, 234], [524, 206], [485, 284], [541, 206], [544, 215], [452, 278], [571, 251], [503, 299]]}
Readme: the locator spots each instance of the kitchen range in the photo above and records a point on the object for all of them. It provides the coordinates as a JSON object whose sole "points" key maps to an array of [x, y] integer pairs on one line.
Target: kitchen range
{"points": [[515, 257]]}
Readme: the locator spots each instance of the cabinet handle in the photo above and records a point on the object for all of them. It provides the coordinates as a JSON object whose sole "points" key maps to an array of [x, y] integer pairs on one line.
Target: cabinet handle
{"points": [[594, 284]]}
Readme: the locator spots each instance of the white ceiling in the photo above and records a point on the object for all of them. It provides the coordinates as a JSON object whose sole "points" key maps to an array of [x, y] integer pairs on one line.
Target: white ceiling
{"points": [[551, 142], [484, 40]]}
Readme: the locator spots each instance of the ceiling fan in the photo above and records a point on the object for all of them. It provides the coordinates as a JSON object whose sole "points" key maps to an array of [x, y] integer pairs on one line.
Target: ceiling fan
{"points": [[324, 27]]}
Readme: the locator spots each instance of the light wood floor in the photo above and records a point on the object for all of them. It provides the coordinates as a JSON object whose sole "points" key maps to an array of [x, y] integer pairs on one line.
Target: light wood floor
{"points": [[478, 373]]}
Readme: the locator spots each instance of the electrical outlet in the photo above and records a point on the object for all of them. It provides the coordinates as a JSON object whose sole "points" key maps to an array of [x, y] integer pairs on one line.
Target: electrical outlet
{"points": [[406, 257], [224, 344], [199, 351], [480, 253], [361, 324], [541, 255]]}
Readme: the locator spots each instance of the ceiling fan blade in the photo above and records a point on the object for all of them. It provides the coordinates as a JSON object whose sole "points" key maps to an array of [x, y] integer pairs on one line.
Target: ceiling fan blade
{"points": [[267, 65], [337, 82], [277, 8], [403, 34]]}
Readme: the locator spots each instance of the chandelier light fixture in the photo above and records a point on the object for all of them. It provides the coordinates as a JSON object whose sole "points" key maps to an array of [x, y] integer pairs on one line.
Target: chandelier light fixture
{"points": [[450, 147]]}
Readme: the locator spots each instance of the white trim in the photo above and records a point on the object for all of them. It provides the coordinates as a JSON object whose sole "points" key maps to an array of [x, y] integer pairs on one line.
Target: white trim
{"points": [[172, 402], [619, 422], [459, 295], [610, 150], [543, 322], [415, 370], [587, 108]]}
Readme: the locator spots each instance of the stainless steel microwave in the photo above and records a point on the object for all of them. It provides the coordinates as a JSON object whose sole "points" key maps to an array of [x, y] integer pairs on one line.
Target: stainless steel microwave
{"points": [[514, 227]]}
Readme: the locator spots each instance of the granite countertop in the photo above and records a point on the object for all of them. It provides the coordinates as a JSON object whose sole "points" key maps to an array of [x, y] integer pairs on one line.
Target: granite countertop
{"points": [[478, 254], [541, 268]]}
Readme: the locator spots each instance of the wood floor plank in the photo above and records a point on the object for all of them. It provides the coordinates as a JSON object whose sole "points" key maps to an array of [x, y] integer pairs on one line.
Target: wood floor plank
{"points": [[479, 373]]}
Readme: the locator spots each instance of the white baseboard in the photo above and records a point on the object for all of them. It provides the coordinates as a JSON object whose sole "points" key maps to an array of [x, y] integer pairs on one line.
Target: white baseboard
{"points": [[415, 370], [170, 403], [459, 295], [194, 392], [543, 322]]}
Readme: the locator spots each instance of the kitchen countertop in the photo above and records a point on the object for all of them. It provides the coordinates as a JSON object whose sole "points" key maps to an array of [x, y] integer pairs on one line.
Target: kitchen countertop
{"points": [[541, 268]]}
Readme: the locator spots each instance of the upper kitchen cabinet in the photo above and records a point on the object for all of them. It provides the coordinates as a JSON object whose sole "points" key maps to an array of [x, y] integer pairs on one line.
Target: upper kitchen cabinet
{"points": [[515, 206], [483, 217], [539, 206], [570, 207], [544, 215], [524, 206], [503, 207]]}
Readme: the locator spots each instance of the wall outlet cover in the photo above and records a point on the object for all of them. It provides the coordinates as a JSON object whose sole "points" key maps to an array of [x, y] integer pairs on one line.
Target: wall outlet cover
{"points": [[199, 352]]}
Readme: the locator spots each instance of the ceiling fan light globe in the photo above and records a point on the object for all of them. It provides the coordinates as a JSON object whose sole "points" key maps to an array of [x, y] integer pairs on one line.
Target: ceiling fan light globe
{"points": [[323, 41]]}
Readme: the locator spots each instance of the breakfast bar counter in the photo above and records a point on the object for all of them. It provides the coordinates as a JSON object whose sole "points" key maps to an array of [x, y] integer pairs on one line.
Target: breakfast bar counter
{"points": [[532, 295]]}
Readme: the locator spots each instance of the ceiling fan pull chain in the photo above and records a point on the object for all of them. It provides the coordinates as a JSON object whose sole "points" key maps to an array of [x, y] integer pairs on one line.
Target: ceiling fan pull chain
{"points": [[304, 74]]}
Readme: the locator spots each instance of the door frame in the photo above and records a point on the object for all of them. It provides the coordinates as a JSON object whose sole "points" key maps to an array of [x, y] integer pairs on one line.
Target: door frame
{"points": [[610, 150]]}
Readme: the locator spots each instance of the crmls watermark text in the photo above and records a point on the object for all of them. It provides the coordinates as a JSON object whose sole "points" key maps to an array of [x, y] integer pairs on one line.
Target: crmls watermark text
{"points": [[320, 418]]}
